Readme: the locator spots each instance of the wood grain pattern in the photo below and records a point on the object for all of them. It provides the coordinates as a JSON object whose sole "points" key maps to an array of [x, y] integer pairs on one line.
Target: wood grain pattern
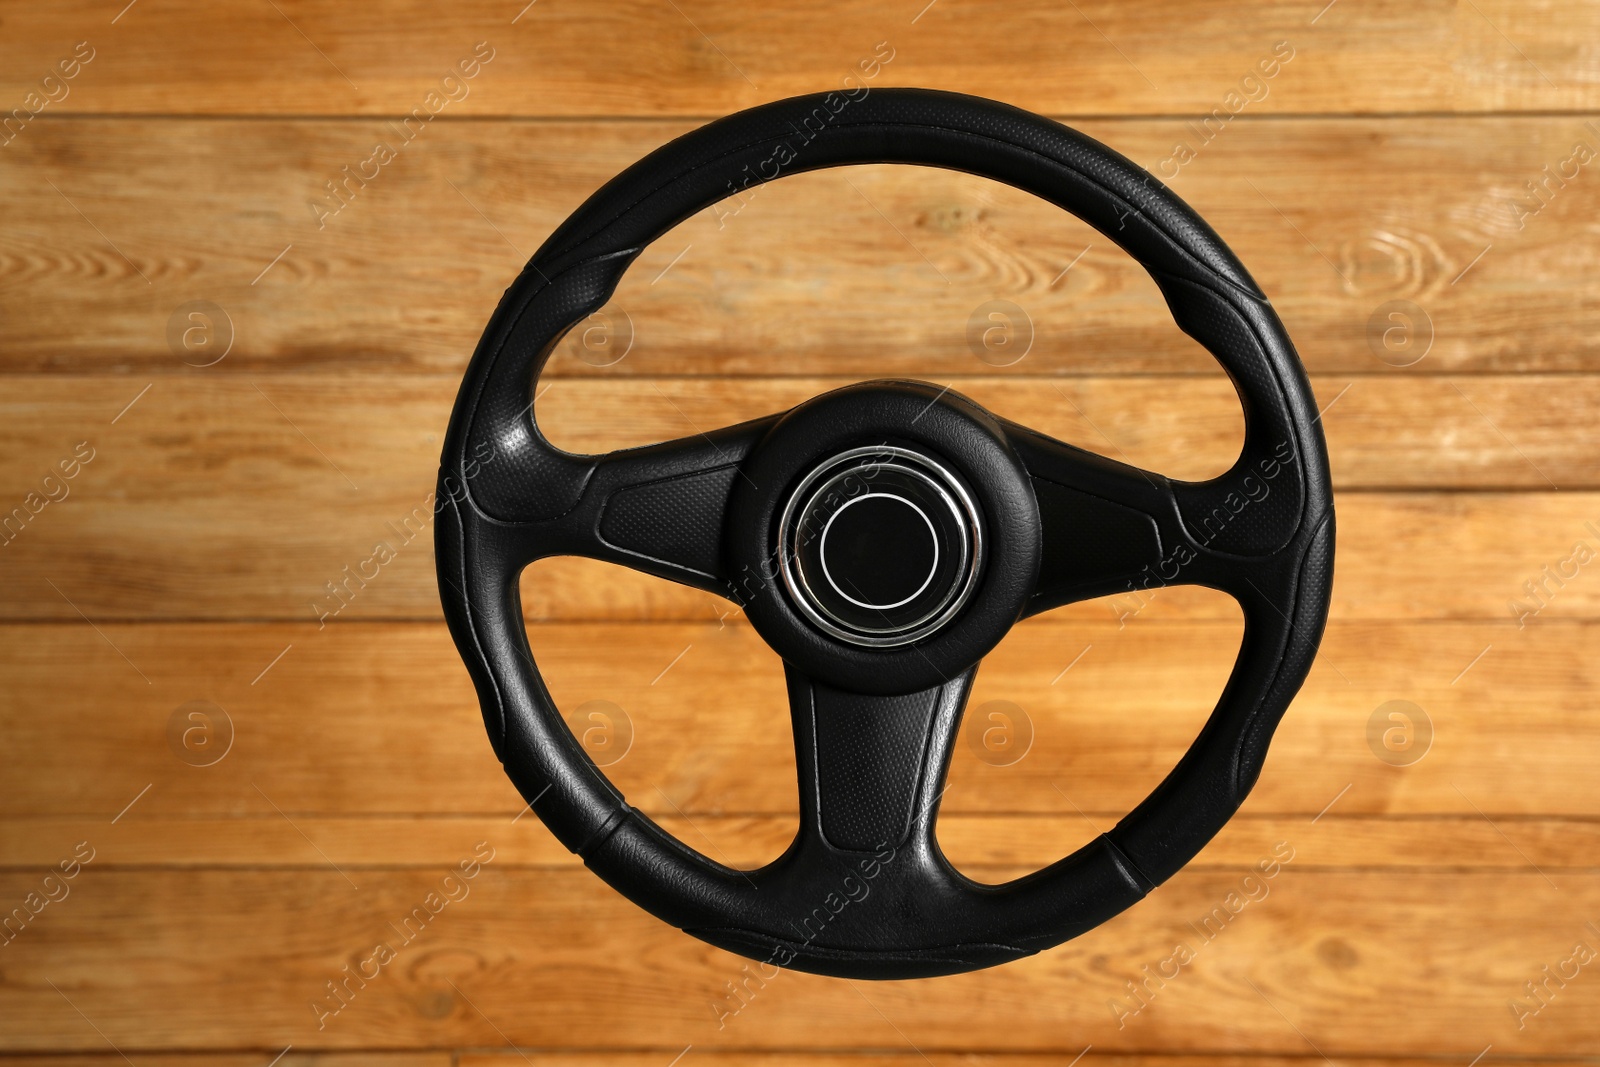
{"points": [[656, 1057], [1330, 950], [1403, 555], [242, 498], [709, 57], [147, 216], [242, 1059], [917, 1059], [993, 847], [259, 353], [382, 719]]}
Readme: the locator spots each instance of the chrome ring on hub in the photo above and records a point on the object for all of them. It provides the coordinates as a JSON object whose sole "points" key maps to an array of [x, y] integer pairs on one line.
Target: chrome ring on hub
{"points": [[891, 473]]}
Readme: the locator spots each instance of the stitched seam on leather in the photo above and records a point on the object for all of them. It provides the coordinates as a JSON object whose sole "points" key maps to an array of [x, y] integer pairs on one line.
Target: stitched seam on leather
{"points": [[883, 124], [1283, 394], [1255, 713], [472, 628], [909, 955], [600, 227], [1137, 511], [488, 373], [599, 520], [595, 840], [1127, 868], [879, 123], [925, 768]]}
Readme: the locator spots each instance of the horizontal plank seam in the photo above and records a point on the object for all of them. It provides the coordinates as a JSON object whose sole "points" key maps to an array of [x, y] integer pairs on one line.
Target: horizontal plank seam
{"points": [[1278, 117]]}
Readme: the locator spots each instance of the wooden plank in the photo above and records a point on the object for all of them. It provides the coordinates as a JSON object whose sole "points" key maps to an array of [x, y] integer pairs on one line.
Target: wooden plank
{"points": [[1387, 181], [714, 56], [1404, 556], [239, 958], [243, 1059], [998, 846], [918, 1059], [654, 1058], [371, 719], [878, 271], [243, 498]]}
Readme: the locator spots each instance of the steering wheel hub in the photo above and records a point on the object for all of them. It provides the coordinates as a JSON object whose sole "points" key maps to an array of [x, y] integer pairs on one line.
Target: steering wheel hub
{"points": [[880, 546]]}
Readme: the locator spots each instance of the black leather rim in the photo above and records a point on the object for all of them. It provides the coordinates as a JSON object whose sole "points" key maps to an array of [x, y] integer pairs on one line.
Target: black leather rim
{"points": [[1263, 532]]}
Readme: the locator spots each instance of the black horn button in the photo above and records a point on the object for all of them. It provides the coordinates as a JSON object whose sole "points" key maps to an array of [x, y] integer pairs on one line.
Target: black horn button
{"points": [[880, 546]]}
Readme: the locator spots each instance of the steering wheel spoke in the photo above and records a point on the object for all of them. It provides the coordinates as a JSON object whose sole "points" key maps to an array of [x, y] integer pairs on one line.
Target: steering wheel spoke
{"points": [[1243, 508], [1111, 528], [872, 767], [662, 509], [1108, 527], [659, 509]]}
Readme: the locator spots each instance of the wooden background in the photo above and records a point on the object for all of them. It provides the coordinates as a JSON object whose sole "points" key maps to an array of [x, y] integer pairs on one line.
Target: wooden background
{"points": [[338, 769]]}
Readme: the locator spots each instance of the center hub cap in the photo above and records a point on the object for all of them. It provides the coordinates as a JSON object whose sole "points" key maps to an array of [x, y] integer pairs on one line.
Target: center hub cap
{"points": [[880, 546]]}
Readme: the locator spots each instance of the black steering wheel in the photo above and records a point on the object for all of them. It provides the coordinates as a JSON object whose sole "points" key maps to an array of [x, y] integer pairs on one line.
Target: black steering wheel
{"points": [[882, 538]]}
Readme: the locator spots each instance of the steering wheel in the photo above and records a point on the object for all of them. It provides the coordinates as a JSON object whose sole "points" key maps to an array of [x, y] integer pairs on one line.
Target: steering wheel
{"points": [[882, 538]]}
